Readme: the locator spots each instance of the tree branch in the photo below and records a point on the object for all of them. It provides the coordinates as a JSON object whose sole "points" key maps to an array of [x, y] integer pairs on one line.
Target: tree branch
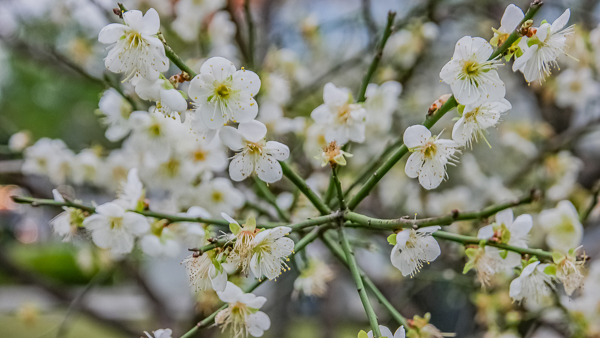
{"points": [[405, 222], [337, 251], [389, 28], [304, 188], [466, 240], [358, 281]]}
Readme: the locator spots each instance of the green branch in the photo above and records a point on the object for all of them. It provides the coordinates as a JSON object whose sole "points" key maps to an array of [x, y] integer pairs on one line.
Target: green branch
{"points": [[466, 240], [389, 28], [300, 245], [270, 198], [338, 187], [295, 227], [337, 251], [432, 119], [305, 189], [359, 282], [405, 222], [170, 218]]}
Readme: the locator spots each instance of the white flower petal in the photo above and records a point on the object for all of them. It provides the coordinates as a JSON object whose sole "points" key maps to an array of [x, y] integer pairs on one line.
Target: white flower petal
{"points": [[241, 166], [415, 136], [253, 131]]}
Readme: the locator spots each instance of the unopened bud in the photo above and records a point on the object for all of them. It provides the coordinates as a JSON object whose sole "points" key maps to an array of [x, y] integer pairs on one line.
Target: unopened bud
{"points": [[437, 104]]}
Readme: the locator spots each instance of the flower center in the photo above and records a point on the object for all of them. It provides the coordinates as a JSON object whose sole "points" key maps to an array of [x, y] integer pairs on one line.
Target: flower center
{"points": [[172, 167], [116, 222], [472, 114], [223, 91], [217, 196], [575, 86], [199, 155], [470, 68], [430, 149], [343, 113], [253, 148], [134, 39], [154, 130]]}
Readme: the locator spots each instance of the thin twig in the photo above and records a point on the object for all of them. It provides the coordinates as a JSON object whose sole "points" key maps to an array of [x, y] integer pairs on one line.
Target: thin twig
{"points": [[360, 288], [466, 240], [305, 189], [405, 222], [389, 28], [337, 251], [264, 191]]}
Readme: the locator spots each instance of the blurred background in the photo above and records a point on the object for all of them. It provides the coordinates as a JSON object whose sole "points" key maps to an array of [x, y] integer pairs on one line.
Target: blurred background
{"points": [[52, 77]]}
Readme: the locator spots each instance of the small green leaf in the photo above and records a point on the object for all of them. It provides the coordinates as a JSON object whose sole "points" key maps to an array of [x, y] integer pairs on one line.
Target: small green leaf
{"points": [[362, 334], [471, 252], [184, 94], [557, 257], [250, 224], [550, 270], [235, 228], [504, 254], [392, 239], [461, 109], [470, 265]]}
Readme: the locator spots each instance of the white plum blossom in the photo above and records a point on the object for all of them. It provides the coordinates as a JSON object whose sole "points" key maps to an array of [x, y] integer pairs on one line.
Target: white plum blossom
{"points": [[511, 19], [244, 241], [219, 195], [190, 15], [313, 279], [381, 103], [131, 192], [386, 332], [507, 230], [563, 228], [114, 228], [471, 75], [221, 93], [476, 118], [160, 242], [135, 48], [254, 155], [49, 157], [429, 157], [575, 88], [116, 111], [19, 141], [270, 250], [194, 233], [85, 165], [412, 248], [533, 285], [541, 51], [168, 99], [242, 313], [160, 333], [67, 222], [206, 271], [343, 120]]}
